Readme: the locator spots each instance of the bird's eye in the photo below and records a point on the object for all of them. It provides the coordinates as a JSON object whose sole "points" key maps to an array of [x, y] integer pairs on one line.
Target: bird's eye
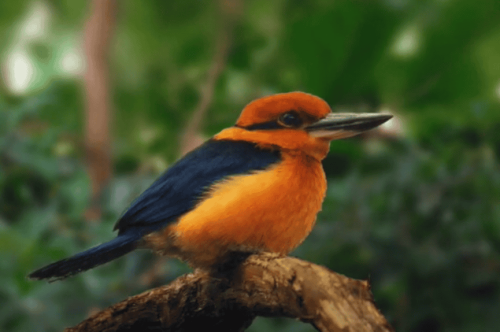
{"points": [[290, 119]]}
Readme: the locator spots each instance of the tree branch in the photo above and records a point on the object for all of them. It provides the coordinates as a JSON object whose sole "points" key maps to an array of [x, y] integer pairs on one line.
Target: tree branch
{"points": [[264, 285], [97, 37], [230, 11]]}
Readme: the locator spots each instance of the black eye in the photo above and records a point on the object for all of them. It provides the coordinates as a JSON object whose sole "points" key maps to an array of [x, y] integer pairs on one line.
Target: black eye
{"points": [[290, 119]]}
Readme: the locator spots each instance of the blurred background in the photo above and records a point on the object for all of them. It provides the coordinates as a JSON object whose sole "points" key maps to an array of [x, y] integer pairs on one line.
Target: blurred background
{"points": [[98, 97]]}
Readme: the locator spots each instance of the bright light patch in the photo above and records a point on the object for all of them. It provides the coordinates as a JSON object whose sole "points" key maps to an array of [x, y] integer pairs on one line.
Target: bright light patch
{"points": [[36, 23], [238, 86], [19, 67], [148, 135], [497, 90], [71, 63], [407, 42], [20, 71], [395, 126]]}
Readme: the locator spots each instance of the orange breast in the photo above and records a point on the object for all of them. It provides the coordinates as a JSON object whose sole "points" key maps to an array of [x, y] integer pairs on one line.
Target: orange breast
{"points": [[271, 210]]}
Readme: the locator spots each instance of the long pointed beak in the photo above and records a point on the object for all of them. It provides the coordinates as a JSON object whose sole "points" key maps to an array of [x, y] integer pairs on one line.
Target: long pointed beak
{"points": [[342, 125]]}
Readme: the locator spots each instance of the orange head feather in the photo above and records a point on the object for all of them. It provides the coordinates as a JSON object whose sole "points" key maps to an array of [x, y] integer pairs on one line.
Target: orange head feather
{"points": [[297, 122], [270, 108]]}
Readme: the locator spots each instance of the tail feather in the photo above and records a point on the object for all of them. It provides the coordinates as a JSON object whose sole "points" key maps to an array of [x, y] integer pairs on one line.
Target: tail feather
{"points": [[88, 259]]}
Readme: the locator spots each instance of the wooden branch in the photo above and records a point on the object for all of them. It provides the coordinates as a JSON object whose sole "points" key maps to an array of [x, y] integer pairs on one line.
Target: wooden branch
{"points": [[98, 34], [264, 285], [230, 11]]}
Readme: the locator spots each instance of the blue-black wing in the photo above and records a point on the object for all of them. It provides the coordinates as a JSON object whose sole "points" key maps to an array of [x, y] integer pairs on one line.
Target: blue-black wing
{"points": [[180, 188], [176, 192]]}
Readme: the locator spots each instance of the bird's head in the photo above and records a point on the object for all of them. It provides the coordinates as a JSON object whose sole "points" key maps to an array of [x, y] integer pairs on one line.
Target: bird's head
{"points": [[298, 121]]}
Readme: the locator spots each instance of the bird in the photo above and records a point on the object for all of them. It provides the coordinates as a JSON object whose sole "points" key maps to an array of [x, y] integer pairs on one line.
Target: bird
{"points": [[254, 187]]}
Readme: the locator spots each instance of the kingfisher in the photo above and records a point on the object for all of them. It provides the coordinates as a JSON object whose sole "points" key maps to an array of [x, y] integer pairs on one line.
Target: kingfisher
{"points": [[254, 187]]}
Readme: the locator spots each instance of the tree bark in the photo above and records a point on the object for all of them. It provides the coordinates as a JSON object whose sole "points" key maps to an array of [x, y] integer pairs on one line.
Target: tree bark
{"points": [[230, 11], [263, 285], [98, 33]]}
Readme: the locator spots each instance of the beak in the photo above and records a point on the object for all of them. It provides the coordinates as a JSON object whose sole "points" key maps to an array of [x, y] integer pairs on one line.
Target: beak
{"points": [[342, 125]]}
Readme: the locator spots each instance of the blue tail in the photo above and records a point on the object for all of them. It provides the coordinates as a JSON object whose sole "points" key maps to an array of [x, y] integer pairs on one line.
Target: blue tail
{"points": [[88, 259]]}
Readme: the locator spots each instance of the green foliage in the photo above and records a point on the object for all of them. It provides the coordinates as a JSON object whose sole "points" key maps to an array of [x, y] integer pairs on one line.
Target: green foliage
{"points": [[418, 215], [44, 192], [424, 229]]}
